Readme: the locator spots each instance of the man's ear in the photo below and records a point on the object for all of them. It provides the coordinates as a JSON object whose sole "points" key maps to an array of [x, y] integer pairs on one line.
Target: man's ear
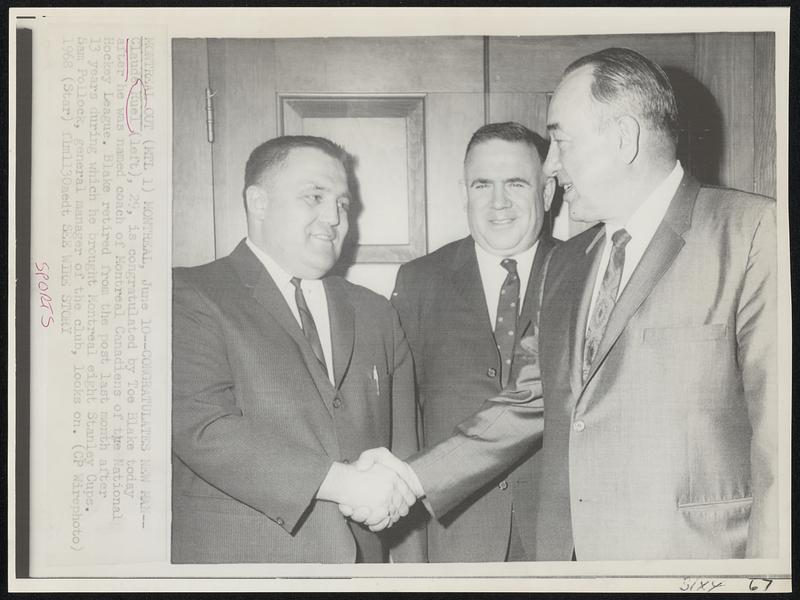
{"points": [[255, 200], [629, 132], [462, 188], [549, 192]]}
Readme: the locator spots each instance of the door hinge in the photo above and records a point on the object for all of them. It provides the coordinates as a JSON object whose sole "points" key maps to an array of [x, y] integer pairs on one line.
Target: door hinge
{"points": [[210, 115]]}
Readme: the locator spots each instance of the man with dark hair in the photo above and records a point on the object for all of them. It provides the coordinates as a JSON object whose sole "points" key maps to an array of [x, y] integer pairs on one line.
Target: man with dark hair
{"points": [[281, 376], [657, 348], [463, 307]]}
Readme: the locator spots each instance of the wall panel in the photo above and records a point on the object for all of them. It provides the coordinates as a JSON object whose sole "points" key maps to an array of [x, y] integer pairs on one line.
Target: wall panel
{"points": [[243, 78], [724, 63], [535, 64], [764, 113], [192, 187]]}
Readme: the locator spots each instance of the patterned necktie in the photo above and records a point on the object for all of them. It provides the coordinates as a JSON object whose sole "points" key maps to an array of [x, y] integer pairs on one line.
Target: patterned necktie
{"points": [[606, 298], [307, 321], [505, 327]]}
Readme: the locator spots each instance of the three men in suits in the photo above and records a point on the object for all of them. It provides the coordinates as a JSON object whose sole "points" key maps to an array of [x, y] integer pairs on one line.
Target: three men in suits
{"points": [[281, 377], [656, 354], [462, 308]]}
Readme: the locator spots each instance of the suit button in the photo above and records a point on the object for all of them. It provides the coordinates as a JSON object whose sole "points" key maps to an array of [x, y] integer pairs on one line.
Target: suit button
{"points": [[279, 521], [337, 402], [492, 372], [578, 426], [503, 485]]}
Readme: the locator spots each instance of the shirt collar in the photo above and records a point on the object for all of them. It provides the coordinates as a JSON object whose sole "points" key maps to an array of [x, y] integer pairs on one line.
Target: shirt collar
{"points": [[645, 219], [524, 259], [278, 274]]}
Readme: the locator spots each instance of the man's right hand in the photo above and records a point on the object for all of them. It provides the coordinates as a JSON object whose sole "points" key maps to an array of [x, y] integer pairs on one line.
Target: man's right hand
{"points": [[369, 459], [374, 495]]}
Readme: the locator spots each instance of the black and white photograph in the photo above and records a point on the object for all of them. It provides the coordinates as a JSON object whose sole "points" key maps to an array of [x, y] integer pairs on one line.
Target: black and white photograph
{"points": [[461, 305]]}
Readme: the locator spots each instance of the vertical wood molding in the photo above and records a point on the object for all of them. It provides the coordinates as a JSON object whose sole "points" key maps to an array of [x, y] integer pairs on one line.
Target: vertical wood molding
{"points": [[242, 75], [192, 185], [764, 108], [724, 64]]}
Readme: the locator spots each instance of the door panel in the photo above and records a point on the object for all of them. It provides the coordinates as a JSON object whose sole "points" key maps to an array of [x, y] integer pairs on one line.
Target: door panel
{"points": [[450, 121], [243, 79], [192, 189]]}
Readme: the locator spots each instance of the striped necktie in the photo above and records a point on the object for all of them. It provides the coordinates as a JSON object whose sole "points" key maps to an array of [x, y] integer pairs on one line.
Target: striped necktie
{"points": [[307, 321]]}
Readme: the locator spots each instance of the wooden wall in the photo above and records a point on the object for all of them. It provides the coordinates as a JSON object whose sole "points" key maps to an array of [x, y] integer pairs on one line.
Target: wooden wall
{"points": [[724, 83]]}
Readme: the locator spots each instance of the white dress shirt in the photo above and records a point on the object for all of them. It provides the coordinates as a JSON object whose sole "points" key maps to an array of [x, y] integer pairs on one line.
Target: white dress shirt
{"points": [[641, 226], [493, 275], [316, 299]]}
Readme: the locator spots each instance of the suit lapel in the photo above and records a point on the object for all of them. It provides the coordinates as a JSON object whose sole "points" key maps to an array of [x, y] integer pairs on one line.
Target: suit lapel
{"points": [[585, 267], [265, 291], [659, 255], [468, 285], [342, 317], [530, 304]]}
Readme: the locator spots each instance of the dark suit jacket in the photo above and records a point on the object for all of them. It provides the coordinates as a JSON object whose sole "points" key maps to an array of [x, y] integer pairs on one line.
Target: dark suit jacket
{"points": [[668, 450], [256, 422], [442, 308]]}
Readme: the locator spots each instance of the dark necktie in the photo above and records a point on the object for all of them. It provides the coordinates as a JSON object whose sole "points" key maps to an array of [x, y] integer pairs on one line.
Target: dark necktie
{"points": [[505, 328], [307, 321], [606, 298]]}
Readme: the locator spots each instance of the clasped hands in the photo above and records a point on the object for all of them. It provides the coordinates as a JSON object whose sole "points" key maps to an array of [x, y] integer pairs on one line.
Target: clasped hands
{"points": [[376, 490]]}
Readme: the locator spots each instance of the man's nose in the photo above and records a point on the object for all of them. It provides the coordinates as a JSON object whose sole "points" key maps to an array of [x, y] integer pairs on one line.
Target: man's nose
{"points": [[552, 163], [499, 198], [329, 212]]}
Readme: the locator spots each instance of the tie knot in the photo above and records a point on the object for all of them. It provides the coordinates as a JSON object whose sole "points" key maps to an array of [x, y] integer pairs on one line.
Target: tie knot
{"points": [[620, 238], [510, 265], [296, 282]]}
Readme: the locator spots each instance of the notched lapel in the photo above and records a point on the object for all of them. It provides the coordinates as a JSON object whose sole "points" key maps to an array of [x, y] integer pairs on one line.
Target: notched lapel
{"points": [[657, 258], [586, 266], [468, 285], [266, 293], [342, 315], [530, 303]]}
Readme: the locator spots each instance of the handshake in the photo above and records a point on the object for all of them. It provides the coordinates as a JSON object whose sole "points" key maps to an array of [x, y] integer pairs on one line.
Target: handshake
{"points": [[376, 490]]}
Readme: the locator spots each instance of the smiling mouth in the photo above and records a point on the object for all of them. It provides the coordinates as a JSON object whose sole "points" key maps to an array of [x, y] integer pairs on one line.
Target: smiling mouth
{"points": [[324, 237], [505, 221]]}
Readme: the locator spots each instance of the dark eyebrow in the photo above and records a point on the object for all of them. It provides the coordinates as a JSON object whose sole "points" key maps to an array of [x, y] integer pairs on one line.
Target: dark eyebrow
{"points": [[518, 180], [480, 180], [552, 126]]}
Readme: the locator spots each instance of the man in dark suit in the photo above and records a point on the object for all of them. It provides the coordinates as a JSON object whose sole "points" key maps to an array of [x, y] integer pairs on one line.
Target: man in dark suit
{"points": [[280, 377], [657, 347], [463, 307]]}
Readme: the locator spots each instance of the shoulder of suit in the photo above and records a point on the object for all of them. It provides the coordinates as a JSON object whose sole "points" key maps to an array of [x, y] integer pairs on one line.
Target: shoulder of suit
{"points": [[219, 269], [358, 295], [732, 200], [217, 273], [436, 260], [578, 242], [740, 210]]}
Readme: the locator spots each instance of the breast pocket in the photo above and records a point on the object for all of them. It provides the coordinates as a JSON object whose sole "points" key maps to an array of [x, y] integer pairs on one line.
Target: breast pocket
{"points": [[682, 335]]}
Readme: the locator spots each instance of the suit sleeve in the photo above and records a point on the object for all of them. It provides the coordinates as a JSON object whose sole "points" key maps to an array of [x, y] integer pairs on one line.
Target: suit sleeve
{"points": [[408, 539], [247, 458], [487, 443], [756, 335]]}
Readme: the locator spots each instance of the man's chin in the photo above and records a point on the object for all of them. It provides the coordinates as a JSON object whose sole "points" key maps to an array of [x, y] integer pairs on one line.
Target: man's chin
{"points": [[320, 266], [577, 213]]}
